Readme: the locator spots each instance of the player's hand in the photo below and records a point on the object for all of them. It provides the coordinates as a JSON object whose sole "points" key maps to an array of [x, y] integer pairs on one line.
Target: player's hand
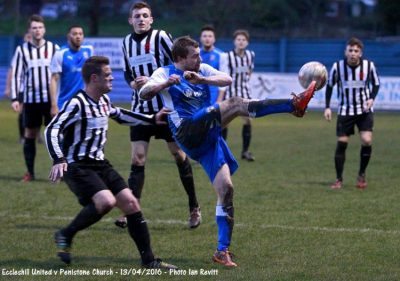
{"points": [[369, 103], [328, 114], [57, 172], [140, 81], [174, 79], [15, 105], [193, 77], [53, 110], [161, 116]]}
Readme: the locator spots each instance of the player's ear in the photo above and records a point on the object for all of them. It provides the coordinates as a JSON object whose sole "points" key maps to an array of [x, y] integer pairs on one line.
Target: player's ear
{"points": [[130, 20], [151, 20]]}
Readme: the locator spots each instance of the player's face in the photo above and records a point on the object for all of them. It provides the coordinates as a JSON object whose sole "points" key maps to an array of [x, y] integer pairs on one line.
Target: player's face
{"points": [[37, 30], [240, 42], [141, 20], [353, 54], [75, 37], [193, 60], [207, 39], [104, 80]]}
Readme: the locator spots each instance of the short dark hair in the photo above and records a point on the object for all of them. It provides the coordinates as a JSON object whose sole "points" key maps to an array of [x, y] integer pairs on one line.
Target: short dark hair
{"points": [[139, 5], [180, 47], [36, 18], [353, 41], [93, 65], [74, 26], [207, 28], [243, 32]]}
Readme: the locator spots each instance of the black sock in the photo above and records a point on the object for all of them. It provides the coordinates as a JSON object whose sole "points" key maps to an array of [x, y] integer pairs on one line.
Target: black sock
{"points": [[365, 155], [139, 232], [340, 157], [186, 175], [21, 128], [86, 217], [29, 154], [246, 136], [225, 133], [136, 180]]}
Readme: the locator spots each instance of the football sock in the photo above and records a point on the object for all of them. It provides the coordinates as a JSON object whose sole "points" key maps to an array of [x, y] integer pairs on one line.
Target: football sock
{"points": [[136, 180], [246, 136], [29, 154], [340, 157], [85, 218], [186, 175], [224, 229], [21, 125], [139, 232], [365, 155], [269, 106], [225, 133]]}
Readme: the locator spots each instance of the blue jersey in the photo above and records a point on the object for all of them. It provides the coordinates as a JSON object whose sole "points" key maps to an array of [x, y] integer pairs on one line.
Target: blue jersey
{"points": [[194, 120], [214, 59], [68, 64]]}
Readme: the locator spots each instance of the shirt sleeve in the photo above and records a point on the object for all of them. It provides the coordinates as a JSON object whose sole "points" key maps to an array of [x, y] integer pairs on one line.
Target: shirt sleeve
{"points": [[158, 76], [56, 62], [130, 118], [54, 131], [17, 71], [166, 47]]}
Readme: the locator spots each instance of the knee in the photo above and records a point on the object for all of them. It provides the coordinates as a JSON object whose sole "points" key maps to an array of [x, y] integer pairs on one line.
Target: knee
{"points": [[105, 205], [131, 205], [179, 156], [139, 159], [366, 141], [235, 101]]}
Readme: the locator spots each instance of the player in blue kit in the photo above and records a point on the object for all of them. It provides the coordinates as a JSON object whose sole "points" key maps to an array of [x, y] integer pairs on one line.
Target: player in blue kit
{"points": [[211, 55], [66, 67], [196, 124]]}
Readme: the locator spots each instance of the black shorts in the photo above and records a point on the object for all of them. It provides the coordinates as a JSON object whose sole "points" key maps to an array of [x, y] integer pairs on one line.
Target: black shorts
{"points": [[345, 124], [145, 132], [36, 114], [86, 178]]}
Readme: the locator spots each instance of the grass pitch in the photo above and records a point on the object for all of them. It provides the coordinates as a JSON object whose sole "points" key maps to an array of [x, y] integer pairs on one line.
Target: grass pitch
{"points": [[289, 224]]}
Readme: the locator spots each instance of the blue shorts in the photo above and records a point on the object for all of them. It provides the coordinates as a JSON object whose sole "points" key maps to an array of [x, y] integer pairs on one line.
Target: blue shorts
{"points": [[200, 138]]}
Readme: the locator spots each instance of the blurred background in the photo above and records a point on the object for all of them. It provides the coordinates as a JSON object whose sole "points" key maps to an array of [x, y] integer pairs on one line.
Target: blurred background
{"points": [[284, 33]]}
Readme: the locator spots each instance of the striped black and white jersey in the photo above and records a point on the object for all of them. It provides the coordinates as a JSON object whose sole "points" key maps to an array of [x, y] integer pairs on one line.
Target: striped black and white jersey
{"points": [[355, 85], [31, 72], [143, 54], [82, 126], [240, 69]]}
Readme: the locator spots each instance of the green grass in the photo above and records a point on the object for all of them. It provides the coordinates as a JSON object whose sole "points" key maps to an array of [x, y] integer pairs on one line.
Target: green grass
{"points": [[289, 224]]}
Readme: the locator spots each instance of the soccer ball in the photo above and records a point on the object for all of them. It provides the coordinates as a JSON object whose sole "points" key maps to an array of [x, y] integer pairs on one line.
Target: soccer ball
{"points": [[313, 71]]}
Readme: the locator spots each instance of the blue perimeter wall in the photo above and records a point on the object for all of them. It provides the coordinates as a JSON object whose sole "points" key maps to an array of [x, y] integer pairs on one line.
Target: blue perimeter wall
{"points": [[281, 56]]}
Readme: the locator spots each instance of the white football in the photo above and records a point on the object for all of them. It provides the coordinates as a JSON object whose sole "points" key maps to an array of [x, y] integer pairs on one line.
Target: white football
{"points": [[313, 71]]}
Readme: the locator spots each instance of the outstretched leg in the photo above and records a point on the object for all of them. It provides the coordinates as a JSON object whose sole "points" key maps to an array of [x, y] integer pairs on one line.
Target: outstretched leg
{"points": [[237, 106]]}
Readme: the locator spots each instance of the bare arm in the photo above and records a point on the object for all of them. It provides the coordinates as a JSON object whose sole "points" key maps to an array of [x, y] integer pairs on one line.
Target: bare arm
{"points": [[55, 78], [221, 79], [149, 90]]}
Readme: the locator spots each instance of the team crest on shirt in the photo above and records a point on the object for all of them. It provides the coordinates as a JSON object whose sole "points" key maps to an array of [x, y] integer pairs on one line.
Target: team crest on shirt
{"points": [[190, 93], [86, 55]]}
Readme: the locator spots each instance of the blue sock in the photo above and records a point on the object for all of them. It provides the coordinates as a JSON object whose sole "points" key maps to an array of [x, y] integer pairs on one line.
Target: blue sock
{"points": [[270, 106], [223, 228]]}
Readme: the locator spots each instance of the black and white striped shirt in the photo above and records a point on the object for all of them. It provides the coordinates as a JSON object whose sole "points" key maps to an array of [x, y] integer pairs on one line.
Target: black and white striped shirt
{"points": [[143, 54], [31, 72], [82, 124], [240, 69], [355, 85]]}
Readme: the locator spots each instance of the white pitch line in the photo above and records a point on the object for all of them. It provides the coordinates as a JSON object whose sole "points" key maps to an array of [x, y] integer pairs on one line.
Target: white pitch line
{"points": [[240, 225]]}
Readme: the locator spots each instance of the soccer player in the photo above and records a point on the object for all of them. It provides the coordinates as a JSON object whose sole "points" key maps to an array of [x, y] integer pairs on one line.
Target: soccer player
{"points": [[196, 123], [357, 84], [66, 67], [75, 140], [211, 55], [7, 93], [31, 72], [239, 65], [146, 49]]}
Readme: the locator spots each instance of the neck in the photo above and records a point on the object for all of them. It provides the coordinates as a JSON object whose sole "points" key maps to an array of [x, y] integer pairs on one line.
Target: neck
{"points": [[93, 93], [239, 52], [208, 48], [74, 48], [37, 43]]}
